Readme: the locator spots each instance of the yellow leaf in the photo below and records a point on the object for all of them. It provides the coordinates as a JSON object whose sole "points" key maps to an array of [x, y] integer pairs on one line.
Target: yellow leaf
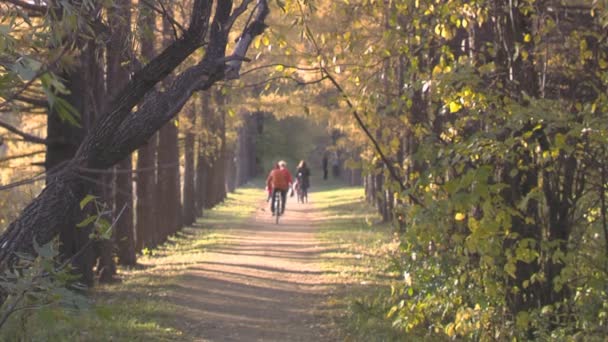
{"points": [[446, 33], [449, 330], [437, 70], [279, 67], [455, 106], [527, 38], [265, 40], [459, 217], [465, 23]]}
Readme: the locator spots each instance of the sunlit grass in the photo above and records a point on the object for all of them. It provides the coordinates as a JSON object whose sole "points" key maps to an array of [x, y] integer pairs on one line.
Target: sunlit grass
{"points": [[359, 262], [138, 308]]}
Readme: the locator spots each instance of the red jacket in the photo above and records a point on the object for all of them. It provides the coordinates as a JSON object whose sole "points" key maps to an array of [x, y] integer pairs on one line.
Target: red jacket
{"points": [[279, 179]]}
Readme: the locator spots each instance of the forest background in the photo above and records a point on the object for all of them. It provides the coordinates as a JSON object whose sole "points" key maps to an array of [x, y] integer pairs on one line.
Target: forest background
{"points": [[477, 128]]}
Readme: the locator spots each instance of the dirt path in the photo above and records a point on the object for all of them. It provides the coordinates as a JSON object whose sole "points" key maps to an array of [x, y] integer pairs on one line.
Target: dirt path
{"points": [[263, 283]]}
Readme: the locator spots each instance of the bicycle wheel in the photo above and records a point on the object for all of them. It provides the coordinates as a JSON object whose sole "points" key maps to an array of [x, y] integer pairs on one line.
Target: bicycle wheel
{"points": [[277, 206]]}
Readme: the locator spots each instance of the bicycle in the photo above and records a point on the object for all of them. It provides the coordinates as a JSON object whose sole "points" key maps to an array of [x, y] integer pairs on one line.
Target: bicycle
{"points": [[276, 201]]}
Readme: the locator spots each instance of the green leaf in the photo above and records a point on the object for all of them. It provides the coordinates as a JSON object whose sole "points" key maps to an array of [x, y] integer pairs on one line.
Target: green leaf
{"points": [[44, 251], [66, 111], [86, 200], [87, 221]]}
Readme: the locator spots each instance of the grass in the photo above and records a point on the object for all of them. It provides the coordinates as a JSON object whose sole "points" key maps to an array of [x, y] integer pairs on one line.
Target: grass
{"points": [[137, 309], [360, 263]]}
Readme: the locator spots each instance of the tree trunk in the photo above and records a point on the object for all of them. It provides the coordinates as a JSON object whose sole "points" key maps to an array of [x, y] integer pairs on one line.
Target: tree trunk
{"points": [[202, 156], [189, 177], [220, 164], [146, 230], [168, 190], [230, 171], [66, 137], [240, 153], [200, 179], [119, 56]]}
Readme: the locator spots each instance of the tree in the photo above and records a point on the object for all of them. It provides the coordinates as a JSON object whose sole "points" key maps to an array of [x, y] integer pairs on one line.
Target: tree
{"points": [[189, 207], [119, 55], [119, 132], [168, 182], [147, 234], [496, 108]]}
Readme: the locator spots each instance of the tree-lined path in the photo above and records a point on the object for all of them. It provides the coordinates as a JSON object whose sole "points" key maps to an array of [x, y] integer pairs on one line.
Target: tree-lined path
{"points": [[462, 146], [263, 282]]}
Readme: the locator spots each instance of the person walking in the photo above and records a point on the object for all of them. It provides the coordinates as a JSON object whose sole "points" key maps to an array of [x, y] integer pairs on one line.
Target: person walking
{"points": [[303, 178], [279, 180]]}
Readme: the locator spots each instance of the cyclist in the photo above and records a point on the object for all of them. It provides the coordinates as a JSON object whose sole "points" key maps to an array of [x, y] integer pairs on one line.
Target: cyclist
{"points": [[279, 180], [268, 185]]}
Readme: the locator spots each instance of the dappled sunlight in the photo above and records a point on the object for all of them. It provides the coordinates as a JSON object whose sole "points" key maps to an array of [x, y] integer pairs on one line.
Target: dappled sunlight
{"points": [[236, 273]]}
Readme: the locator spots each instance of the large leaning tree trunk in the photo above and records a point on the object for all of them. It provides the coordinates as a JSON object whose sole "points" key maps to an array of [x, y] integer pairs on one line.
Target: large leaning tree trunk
{"points": [[120, 130]]}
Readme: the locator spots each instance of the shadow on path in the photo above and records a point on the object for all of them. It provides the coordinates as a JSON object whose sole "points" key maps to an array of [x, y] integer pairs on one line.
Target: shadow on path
{"points": [[263, 282]]}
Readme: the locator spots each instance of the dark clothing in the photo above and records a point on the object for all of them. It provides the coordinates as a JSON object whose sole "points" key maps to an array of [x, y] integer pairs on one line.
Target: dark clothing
{"points": [[325, 162], [303, 175], [283, 199]]}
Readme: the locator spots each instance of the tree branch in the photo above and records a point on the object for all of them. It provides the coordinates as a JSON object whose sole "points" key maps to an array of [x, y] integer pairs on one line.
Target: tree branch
{"points": [[370, 136], [28, 6], [253, 28], [26, 136], [19, 156]]}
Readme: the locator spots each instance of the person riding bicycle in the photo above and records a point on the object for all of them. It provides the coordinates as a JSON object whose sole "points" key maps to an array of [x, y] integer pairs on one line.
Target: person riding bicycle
{"points": [[279, 180], [268, 185]]}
